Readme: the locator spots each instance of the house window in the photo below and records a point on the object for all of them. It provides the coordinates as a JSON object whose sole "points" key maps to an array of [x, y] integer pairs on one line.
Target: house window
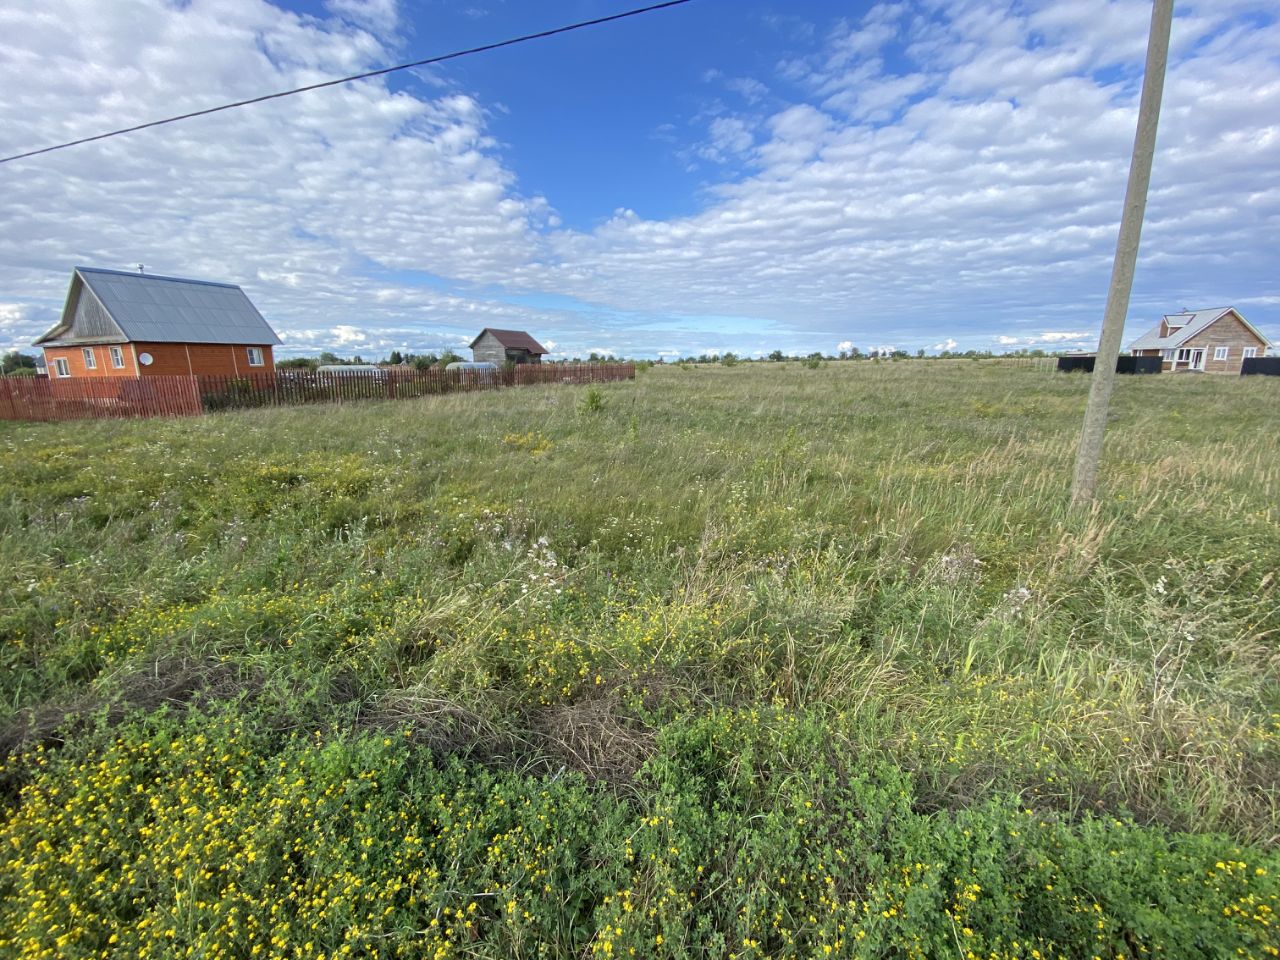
{"points": [[61, 367], [117, 358], [255, 356], [1250, 352], [1184, 355], [1220, 353], [90, 361]]}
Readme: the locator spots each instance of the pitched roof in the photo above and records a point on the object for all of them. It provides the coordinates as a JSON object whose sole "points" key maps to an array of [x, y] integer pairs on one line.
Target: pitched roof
{"points": [[512, 340], [146, 307], [1189, 324]]}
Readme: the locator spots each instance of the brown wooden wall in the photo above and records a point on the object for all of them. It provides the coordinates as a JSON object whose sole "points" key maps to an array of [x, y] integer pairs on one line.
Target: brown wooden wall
{"points": [[1226, 331], [102, 353], [168, 359]]}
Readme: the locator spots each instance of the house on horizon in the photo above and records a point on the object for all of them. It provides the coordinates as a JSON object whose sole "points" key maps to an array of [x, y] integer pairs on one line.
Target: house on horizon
{"points": [[501, 347], [1215, 340], [120, 324]]}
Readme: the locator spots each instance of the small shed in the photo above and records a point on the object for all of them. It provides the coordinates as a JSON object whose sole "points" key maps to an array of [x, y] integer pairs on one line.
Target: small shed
{"points": [[501, 347]]}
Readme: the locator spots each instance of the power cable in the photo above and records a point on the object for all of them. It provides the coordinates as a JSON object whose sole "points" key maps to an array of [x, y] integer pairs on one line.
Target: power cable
{"points": [[358, 76]]}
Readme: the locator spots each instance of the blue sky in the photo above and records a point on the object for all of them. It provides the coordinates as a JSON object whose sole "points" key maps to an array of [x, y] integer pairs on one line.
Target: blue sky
{"points": [[743, 176]]}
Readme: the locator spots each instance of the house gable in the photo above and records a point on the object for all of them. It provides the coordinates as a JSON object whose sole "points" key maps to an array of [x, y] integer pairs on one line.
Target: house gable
{"points": [[511, 340], [506, 346], [1230, 326], [84, 319], [1178, 330]]}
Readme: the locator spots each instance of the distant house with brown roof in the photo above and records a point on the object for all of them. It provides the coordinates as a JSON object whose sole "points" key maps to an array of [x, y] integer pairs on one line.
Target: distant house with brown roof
{"points": [[506, 346], [1216, 340]]}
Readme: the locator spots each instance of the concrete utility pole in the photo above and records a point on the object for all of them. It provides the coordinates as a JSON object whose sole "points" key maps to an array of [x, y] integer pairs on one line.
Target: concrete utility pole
{"points": [[1135, 204]]}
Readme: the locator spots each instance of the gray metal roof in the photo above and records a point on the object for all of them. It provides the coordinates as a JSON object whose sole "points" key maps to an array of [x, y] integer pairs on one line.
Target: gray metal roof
{"points": [[158, 309], [1189, 324]]}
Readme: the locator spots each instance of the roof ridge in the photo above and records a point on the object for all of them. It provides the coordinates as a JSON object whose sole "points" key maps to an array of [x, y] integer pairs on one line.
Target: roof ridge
{"points": [[158, 276]]}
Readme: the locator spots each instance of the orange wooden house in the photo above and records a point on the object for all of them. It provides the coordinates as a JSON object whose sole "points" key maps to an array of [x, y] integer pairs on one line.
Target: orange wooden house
{"points": [[118, 324]]}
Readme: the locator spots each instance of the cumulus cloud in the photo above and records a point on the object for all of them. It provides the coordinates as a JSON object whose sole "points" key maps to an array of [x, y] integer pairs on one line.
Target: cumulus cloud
{"points": [[937, 164], [992, 187], [729, 137], [749, 88], [844, 346], [11, 315], [948, 344], [1048, 338], [293, 200], [380, 16]]}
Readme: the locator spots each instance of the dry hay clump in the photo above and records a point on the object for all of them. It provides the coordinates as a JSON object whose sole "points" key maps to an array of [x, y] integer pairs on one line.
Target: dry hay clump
{"points": [[176, 683], [593, 737]]}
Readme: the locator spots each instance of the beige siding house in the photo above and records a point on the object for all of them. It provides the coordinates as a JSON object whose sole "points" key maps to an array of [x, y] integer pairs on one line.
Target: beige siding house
{"points": [[1217, 340]]}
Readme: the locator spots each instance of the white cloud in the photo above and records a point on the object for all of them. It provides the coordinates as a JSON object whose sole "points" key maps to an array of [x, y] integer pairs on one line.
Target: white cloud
{"points": [[945, 165], [844, 346], [948, 344], [1048, 338], [730, 137], [380, 16], [11, 315], [291, 199], [996, 196], [749, 88], [345, 335]]}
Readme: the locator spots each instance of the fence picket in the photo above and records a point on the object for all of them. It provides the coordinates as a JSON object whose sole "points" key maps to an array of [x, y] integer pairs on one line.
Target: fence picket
{"points": [[102, 398]]}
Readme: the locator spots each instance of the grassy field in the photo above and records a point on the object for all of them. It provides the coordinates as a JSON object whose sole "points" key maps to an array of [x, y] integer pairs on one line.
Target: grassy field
{"points": [[747, 662]]}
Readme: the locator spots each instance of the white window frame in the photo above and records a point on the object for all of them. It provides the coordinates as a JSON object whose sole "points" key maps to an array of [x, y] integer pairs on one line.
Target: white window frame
{"points": [[256, 357], [1222, 353], [61, 367], [1186, 355], [90, 361], [117, 358], [1250, 352]]}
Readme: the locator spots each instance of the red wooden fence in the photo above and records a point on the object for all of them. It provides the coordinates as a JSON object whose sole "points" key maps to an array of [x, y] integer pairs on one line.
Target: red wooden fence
{"points": [[78, 398]]}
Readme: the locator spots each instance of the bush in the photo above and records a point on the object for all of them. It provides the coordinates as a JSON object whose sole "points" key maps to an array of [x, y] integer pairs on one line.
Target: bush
{"points": [[593, 401], [236, 395]]}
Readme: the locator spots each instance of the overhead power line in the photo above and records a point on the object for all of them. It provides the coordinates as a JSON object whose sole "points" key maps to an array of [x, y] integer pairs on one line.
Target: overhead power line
{"points": [[358, 76]]}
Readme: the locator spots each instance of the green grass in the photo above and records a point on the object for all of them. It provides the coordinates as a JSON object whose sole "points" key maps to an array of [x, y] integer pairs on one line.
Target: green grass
{"points": [[758, 661]]}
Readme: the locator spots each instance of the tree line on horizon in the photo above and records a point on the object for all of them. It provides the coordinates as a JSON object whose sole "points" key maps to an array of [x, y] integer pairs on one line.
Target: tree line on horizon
{"points": [[17, 364]]}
